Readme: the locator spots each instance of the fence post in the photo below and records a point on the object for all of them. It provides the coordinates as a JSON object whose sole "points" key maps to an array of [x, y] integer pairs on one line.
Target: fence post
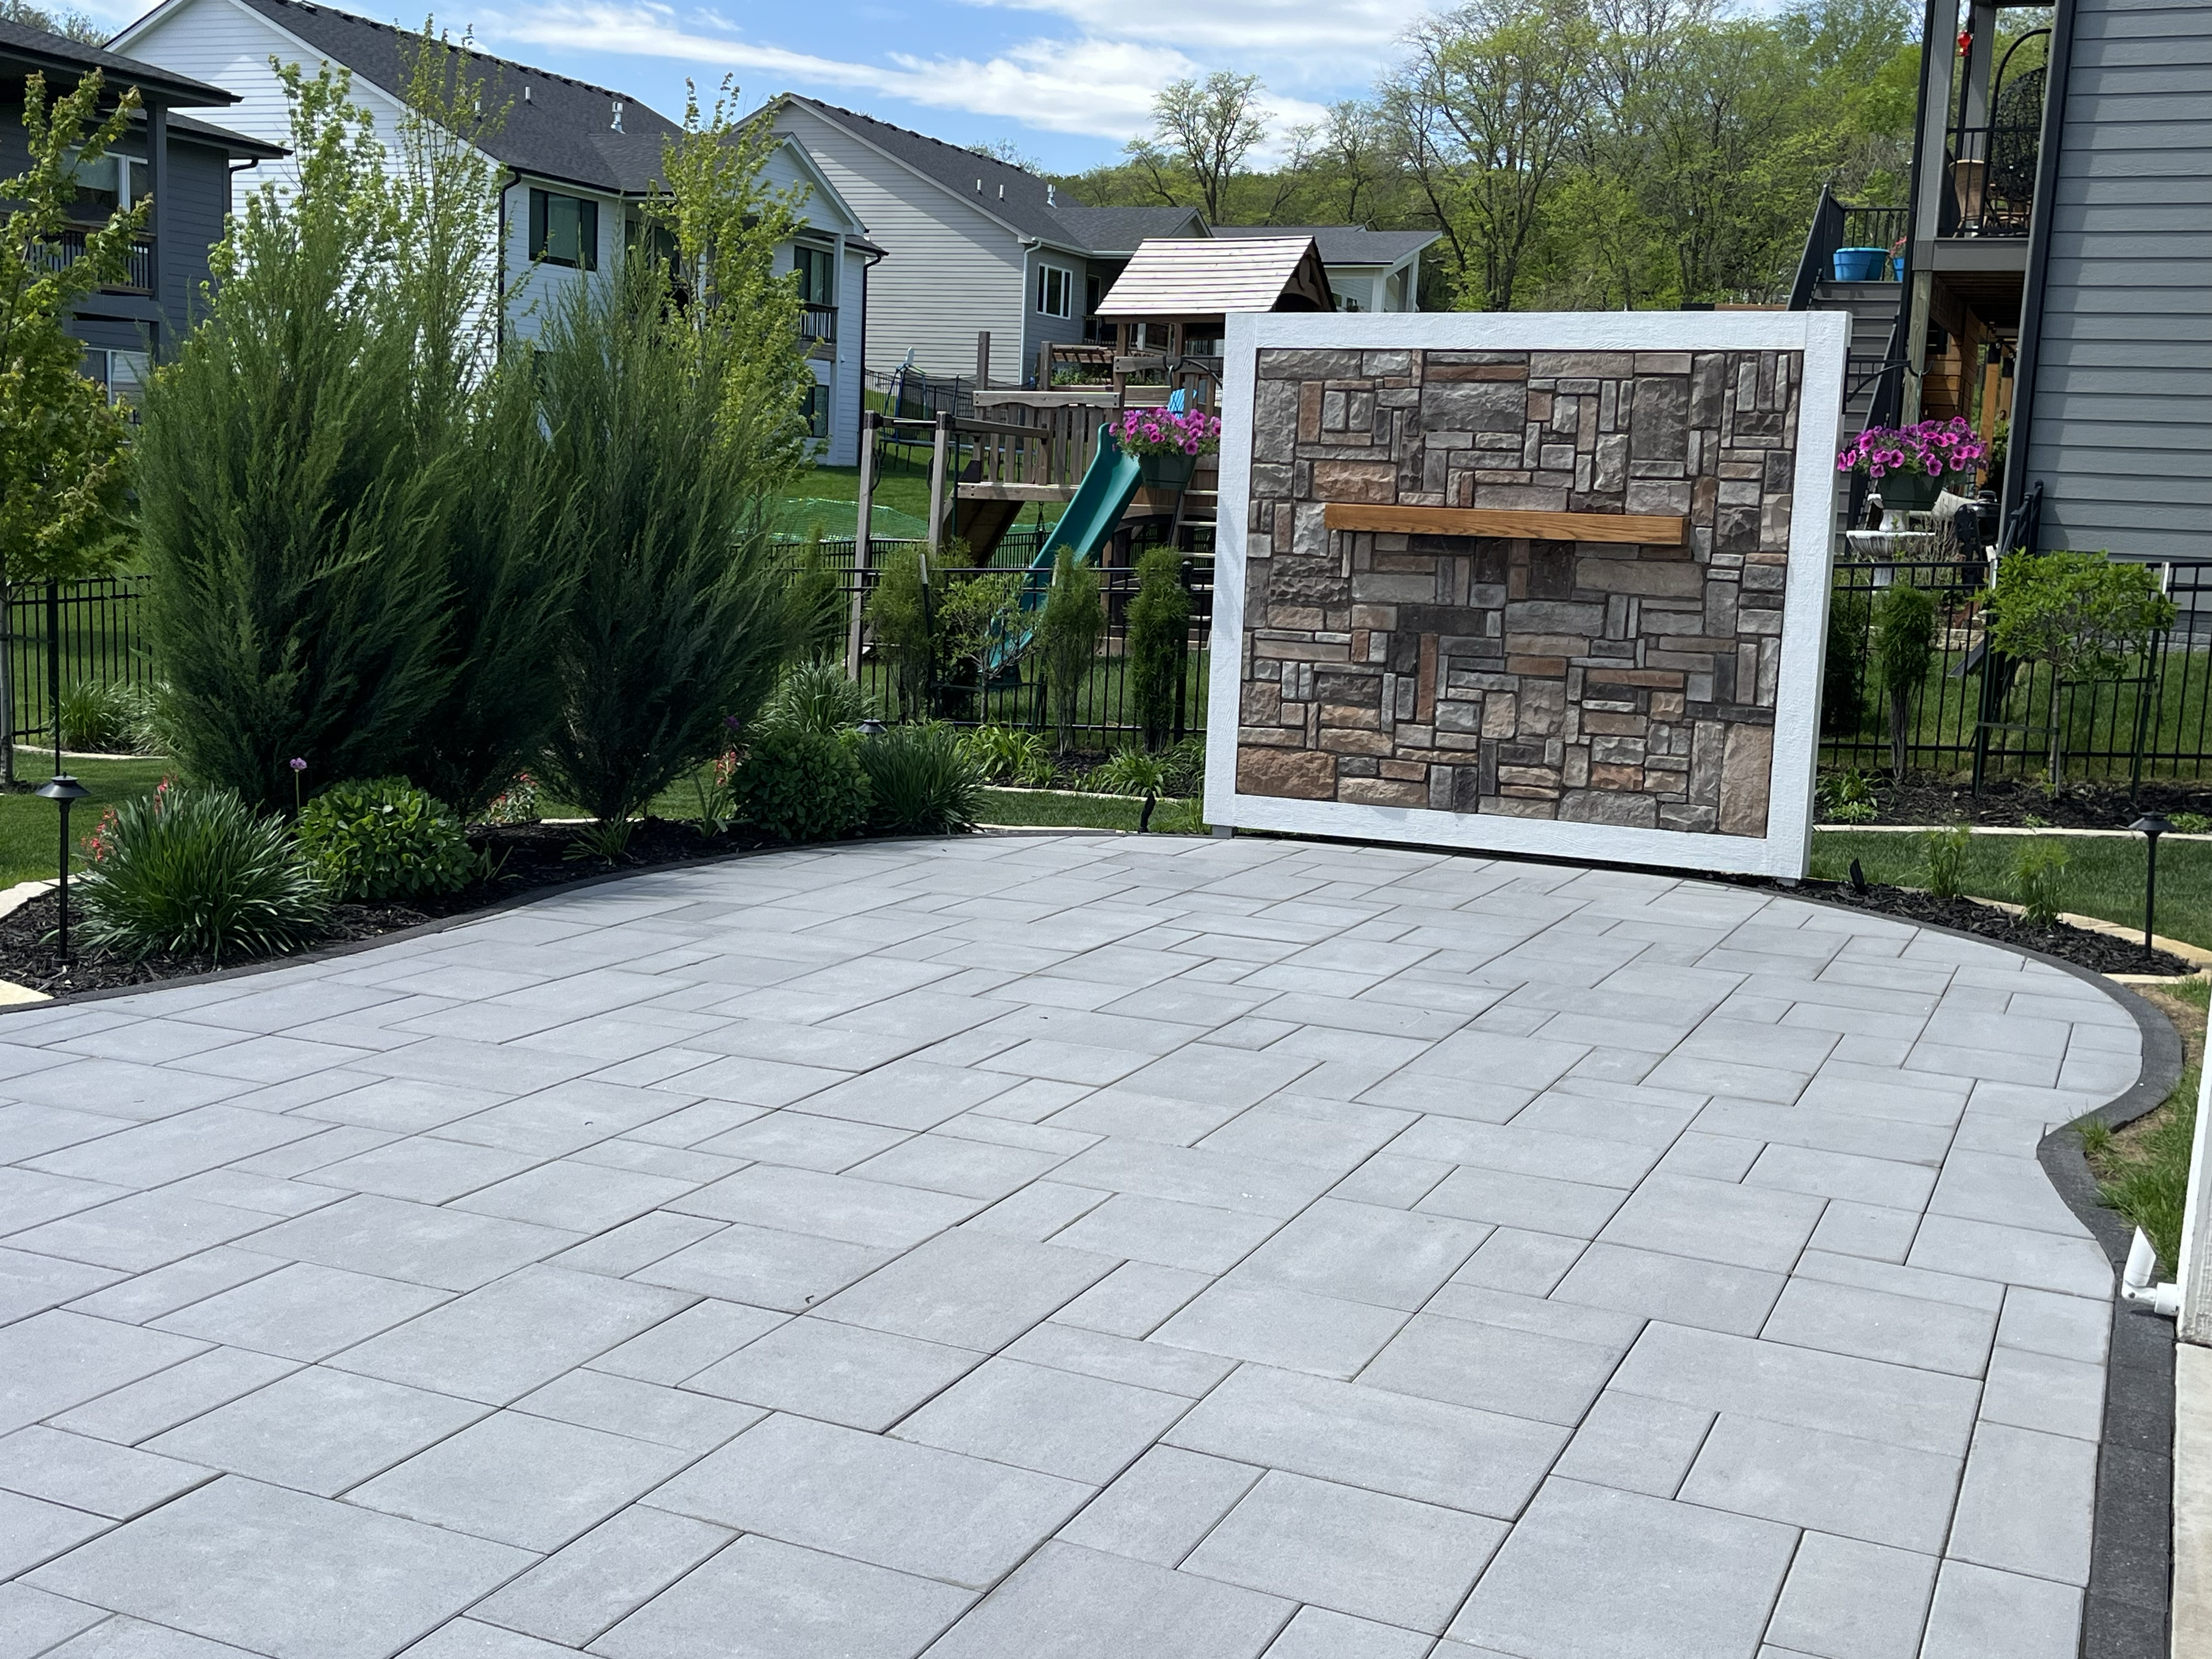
{"points": [[54, 665], [940, 440], [7, 685], [869, 419]]}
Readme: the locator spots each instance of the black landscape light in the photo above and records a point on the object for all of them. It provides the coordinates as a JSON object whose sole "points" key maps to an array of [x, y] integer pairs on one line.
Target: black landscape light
{"points": [[63, 791], [871, 727], [2150, 827]]}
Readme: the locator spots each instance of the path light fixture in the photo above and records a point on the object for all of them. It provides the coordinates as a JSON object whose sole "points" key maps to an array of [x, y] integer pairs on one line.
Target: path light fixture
{"points": [[63, 791], [2150, 827], [871, 727]]}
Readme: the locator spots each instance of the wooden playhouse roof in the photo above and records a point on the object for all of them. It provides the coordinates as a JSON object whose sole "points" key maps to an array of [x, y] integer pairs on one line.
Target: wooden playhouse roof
{"points": [[1196, 276]]}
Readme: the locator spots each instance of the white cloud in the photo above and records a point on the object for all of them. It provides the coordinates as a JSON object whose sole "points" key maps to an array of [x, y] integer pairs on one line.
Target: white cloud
{"points": [[1091, 86], [1298, 41]]}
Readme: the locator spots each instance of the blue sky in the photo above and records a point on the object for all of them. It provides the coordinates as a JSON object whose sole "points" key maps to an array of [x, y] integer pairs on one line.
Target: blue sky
{"points": [[1066, 81]]}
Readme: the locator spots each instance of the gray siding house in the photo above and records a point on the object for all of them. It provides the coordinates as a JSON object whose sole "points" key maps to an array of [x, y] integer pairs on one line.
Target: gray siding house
{"points": [[2057, 267], [184, 163], [2116, 325], [978, 246]]}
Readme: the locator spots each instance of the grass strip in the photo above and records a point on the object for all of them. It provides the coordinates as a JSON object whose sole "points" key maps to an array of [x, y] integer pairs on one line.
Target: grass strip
{"points": [[2104, 875], [2142, 1170]]}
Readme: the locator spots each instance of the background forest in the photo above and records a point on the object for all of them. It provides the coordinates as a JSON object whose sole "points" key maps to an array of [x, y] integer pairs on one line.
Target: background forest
{"points": [[1575, 154]]}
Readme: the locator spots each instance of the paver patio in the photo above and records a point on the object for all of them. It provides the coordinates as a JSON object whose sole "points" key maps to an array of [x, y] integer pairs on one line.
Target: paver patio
{"points": [[1152, 1248]]}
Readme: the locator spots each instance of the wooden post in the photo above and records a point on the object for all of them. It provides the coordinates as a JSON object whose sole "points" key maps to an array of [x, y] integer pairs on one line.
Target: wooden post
{"points": [[937, 468], [1044, 367], [869, 420], [983, 360]]}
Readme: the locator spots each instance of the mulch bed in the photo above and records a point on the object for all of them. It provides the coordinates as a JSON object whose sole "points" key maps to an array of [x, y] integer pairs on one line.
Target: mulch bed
{"points": [[2101, 953], [2009, 803], [535, 856]]}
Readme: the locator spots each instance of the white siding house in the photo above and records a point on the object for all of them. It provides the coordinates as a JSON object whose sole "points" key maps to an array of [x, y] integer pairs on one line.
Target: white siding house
{"points": [[577, 160]]}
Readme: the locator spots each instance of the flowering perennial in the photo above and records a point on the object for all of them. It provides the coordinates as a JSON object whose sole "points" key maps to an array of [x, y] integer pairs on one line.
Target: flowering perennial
{"points": [[1166, 432], [1933, 448]]}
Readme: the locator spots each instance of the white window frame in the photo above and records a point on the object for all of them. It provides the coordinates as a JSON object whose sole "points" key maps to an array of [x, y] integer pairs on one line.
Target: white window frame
{"points": [[1045, 274]]}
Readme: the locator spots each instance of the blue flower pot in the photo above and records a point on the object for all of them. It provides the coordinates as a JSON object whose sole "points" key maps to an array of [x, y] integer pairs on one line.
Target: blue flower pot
{"points": [[1860, 265]]}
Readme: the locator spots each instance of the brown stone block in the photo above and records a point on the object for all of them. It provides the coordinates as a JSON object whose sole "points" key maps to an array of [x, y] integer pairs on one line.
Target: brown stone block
{"points": [[1747, 771], [1663, 678], [1405, 771], [1309, 397], [1598, 723], [1291, 774], [1356, 481], [1349, 740], [1547, 667], [1605, 776]]}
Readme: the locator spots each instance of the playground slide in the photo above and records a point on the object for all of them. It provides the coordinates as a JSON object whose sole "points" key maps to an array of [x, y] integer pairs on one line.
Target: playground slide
{"points": [[1109, 485]]}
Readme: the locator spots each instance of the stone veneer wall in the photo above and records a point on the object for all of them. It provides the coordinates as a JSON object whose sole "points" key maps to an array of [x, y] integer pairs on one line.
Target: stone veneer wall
{"points": [[1588, 682]]}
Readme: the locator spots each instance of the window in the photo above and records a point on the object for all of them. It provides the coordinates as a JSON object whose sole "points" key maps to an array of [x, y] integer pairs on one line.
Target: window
{"points": [[816, 407], [122, 373], [814, 266], [564, 230], [1055, 291], [111, 182]]}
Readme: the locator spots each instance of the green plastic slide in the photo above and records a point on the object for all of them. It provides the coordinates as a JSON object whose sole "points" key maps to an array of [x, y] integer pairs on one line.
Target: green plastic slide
{"points": [[1109, 485]]}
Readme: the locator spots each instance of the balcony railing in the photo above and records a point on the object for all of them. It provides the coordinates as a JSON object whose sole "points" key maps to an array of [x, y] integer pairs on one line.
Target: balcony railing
{"points": [[66, 249], [818, 326], [1992, 163]]}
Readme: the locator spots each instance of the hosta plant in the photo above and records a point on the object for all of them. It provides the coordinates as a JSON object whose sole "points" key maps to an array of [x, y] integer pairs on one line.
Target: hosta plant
{"points": [[198, 873], [798, 785]]}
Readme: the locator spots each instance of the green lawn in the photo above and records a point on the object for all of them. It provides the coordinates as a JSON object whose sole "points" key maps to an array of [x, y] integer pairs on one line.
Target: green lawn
{"points": [[901, 484], [29, 827], [2142, 1170], [2103, 876], [1051, 809]]}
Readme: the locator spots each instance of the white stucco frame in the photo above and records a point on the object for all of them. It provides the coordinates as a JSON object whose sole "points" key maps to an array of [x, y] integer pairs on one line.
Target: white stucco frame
{"points": [[1822, 337]]}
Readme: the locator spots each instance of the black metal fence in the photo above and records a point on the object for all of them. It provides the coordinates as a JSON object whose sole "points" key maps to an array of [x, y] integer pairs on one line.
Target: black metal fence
{"points": [[1979, 713], [1013, 692], [102, 642]]}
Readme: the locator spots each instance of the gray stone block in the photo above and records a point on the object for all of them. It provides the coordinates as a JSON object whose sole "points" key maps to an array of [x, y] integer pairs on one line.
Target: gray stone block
{"points": [[1848, 1600], [318, 1431], [575, 1594], [1090, 1605], [1161, 1506], [846, 1374]]}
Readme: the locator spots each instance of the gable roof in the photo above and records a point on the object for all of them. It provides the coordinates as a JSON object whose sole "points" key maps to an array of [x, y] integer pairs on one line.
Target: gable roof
{"points": [[1343, 244], [556, 127], [1026, 204], [1182, 277], [43, 50], [1120, 229]]}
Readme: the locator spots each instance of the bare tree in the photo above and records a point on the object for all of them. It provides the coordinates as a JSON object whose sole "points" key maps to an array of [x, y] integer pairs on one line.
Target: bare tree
{"points": [[1207, 128], [68, 22]]}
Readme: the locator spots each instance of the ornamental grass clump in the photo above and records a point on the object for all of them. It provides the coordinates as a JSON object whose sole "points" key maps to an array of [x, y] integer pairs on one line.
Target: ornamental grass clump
{"points": [[816, 697], [197, 872], [1007, 754], [379, 839], [919, 781], [2039, 880]]}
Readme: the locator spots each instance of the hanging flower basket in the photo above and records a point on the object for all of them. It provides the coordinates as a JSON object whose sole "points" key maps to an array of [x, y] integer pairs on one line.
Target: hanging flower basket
{"points": [[1166, 442], [1932, 450]]}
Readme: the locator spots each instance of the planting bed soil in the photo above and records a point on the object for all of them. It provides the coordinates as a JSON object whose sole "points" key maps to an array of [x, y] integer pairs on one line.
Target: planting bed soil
{"points": [[2011, 802], [2101, 953], [534, 856]]}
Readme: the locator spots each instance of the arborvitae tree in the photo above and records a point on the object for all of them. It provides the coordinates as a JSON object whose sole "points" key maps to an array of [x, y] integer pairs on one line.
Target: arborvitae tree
{"points": [[506, 597], [1160, 631], [679, 621], [292, 519], [1067, 637]]}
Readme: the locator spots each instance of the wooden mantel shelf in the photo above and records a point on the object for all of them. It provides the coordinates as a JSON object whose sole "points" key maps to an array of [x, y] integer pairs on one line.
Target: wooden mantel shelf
{"points": [[1649, 529]]}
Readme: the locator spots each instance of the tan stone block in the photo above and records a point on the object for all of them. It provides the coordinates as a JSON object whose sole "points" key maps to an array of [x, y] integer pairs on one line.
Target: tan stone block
{"points": [[1405, 771], [1351, 715], [1293, 775], [1355, 481], [1347, 740], [1615, 777], [1547, 667], [1666, 705], [1382, 792], [1263, 702], [1747, 772], [1500, 714]]}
